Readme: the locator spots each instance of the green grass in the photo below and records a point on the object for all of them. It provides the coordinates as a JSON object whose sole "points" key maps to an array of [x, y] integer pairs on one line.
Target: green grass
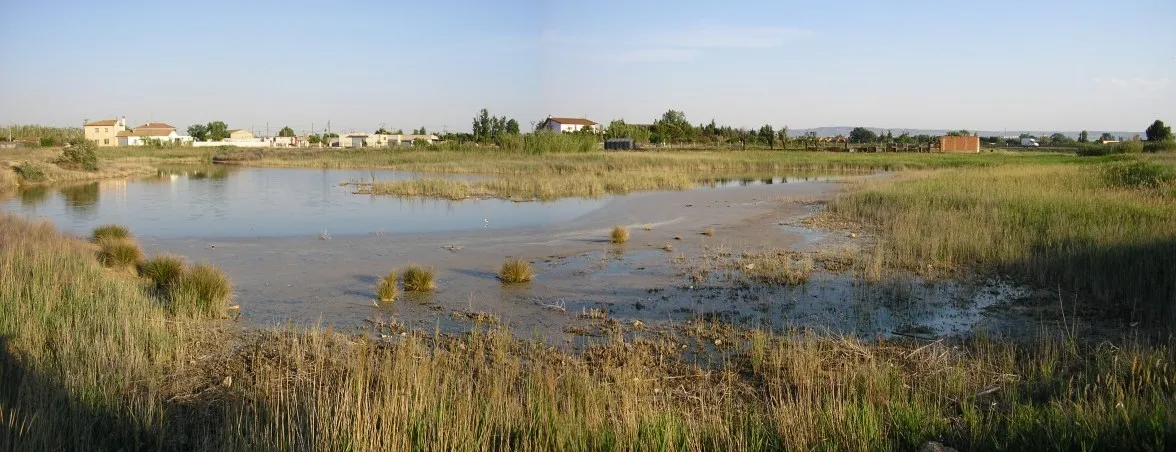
{"points": [[620, 234], [1058, 226], [419, 279], [162, 270], [200, 291], [110, 232], [89, 361], [31, 172], [515, 271], [386, 288], [119, 253]]}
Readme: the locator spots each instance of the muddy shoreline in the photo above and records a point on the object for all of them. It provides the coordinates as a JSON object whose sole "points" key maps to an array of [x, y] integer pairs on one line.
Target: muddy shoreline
{"points": [[580, 275]]}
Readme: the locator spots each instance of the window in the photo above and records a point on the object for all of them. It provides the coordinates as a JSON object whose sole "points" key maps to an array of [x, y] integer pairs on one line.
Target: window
{"points": [[95, 130], [106, 129], [106, 141]]}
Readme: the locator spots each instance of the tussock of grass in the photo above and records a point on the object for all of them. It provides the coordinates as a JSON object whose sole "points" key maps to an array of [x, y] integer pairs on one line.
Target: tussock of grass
{"points": [[201, 291], [162, 270], [386, 289], [110, 232], [119, 254], [516, 271], [709, 232], [8, 177], [620, 234], [778, 268], [418, 279]]}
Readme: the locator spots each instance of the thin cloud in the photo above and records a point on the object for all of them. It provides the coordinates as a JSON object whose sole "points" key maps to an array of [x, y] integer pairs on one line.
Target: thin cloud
{"points": [[657, 56], [1141, 83], [731, 37]]}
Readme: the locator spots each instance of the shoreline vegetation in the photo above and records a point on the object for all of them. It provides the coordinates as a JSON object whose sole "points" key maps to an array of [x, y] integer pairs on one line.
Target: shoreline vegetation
{"points": [[91, 359]]}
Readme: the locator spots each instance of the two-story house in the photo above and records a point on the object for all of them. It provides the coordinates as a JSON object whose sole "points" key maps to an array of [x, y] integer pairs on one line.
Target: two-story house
{"points": [[104, 132]]}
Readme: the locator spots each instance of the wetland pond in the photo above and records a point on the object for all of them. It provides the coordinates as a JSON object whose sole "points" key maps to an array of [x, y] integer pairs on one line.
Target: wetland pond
{"points": [[264, 227]]}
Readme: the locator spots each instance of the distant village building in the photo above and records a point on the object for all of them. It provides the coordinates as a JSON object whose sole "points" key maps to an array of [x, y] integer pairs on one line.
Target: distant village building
{"points": [[151, 132], [105, 132], [358, 140], [241, 134], [554, 124]]}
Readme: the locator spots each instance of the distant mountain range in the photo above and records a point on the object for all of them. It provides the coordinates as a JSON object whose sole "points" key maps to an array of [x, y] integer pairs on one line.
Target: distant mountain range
{"points": [[844, 131]]}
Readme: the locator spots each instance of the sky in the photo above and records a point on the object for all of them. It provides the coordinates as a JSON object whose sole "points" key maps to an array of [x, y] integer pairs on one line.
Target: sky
{"points": [[949, 64]]}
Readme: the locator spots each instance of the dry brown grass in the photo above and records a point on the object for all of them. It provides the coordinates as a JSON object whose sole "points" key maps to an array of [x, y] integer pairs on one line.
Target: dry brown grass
{"points": [[515, 271], [620, 234]]}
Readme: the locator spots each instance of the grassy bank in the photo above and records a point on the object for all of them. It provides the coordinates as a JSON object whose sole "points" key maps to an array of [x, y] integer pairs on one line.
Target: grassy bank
{"points": [[89, 360], [40, 166], [1105, 232]]}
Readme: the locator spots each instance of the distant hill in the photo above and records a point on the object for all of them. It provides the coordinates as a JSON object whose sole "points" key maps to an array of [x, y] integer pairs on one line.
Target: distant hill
{"points": [[844, 131]]}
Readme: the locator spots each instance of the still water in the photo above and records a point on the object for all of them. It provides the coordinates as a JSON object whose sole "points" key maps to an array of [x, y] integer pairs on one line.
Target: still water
{"points": [[240, 202]]}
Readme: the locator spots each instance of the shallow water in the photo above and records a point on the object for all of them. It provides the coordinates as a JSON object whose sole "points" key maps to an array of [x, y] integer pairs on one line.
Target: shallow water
{"points": [[232, 202]]}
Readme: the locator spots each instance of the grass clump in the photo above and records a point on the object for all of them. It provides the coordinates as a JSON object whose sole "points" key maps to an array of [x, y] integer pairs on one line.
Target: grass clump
{"points": [[119, 253], [709, 232], [516, 271], [162, 270], [1138, 174], [31, 172], [779, 268], [110, 232], [202, 291], [620, 234], [386, 289], [418, 279]]}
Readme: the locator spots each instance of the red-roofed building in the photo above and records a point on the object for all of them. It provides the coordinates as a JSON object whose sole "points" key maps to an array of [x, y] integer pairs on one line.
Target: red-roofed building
{"points": [[555, 124]]}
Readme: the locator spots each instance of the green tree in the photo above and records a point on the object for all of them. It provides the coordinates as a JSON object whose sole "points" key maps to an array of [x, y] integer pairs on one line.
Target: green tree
{"points": [[862, 135], [959, 133], [512, 127], [1058, 138], [672, 128], [1106, 137], [782, 135], [198, 132], [1083, 136], [1158, 132], [217, 130], [481, 126], [286, 132], [383, 131], [768, 135], [314, 139]]}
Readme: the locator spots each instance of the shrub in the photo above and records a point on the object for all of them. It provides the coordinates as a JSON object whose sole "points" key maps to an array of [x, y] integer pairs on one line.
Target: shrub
{"points": [[620, 234], [1160, 146], [1138, 175], [709, 232], [31, 172], [109, 232], [386, 288], [1128, 147], [418, 279], [516, 271], [162, 270], [202, 291], [47, 141], [82, 154], [119, 253]]}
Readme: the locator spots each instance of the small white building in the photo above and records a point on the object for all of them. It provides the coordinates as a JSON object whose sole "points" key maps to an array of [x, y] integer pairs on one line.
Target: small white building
{"points": [[356, 140], [152, 132], [555, 124]]}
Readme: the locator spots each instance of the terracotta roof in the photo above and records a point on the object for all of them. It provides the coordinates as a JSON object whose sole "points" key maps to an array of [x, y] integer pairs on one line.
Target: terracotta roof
{"points": [[155, 125], [104, 122], [141, 132], [125, 133], [572, 121]]}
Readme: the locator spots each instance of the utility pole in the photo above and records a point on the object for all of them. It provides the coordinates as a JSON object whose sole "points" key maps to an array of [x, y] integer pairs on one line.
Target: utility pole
{"points": [[267, 128]]}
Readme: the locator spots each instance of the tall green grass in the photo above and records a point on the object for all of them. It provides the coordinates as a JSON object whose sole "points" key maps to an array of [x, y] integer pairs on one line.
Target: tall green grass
{"points": [[200, 291], [1059, 226]]}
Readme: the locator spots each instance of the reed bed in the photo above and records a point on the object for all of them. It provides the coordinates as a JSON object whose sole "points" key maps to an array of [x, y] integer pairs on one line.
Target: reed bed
{"points": [[1110, 240]]}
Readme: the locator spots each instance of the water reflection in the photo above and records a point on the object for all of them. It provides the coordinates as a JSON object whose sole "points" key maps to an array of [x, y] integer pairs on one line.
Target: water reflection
{"points": [[34, 195], [747, 181], [82, 198]]}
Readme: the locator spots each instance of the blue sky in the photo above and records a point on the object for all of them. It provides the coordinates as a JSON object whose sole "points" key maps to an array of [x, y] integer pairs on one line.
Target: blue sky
{"points": [[1016, 65]]}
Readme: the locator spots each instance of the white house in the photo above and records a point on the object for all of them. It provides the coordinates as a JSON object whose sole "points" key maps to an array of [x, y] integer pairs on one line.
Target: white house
{"points": [[567, 124], [149, 132], [355, 140]]}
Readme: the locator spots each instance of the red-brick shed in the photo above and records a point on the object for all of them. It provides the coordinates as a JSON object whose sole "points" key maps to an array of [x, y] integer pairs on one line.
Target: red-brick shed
{"points": [[959, 144]]}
